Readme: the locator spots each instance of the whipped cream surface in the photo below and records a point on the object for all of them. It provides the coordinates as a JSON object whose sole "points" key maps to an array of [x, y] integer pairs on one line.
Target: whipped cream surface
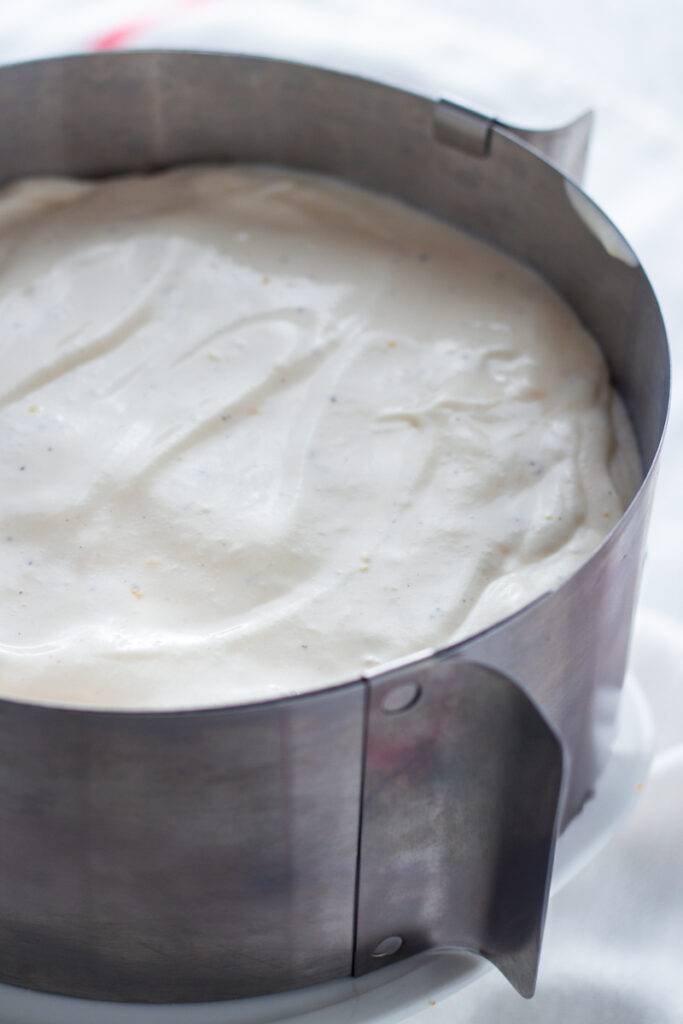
{"points": [[262, 432]]}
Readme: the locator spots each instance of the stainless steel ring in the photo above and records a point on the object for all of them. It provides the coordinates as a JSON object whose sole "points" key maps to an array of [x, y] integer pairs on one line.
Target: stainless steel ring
{"points": [[229, 852]]}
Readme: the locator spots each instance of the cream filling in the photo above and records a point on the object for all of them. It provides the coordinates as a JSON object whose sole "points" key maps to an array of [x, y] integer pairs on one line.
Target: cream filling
{"points": [[262, 431]]}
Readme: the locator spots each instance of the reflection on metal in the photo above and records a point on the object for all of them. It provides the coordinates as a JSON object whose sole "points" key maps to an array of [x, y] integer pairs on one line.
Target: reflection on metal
{"points": [[179, 857], [600, 225]]}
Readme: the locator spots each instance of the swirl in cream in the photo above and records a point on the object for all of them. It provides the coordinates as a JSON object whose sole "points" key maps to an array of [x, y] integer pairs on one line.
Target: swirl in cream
{"points": [[262, 431]]}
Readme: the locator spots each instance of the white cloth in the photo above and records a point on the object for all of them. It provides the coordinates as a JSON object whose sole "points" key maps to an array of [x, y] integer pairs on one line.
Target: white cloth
{"points": [[613, 951]]}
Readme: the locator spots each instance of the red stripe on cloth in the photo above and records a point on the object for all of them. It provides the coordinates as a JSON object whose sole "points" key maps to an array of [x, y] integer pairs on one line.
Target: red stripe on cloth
{"points": [[122, 35]]}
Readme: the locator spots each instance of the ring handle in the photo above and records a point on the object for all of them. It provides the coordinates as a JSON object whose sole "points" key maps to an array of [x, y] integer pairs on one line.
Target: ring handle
{"points": [[462, 794], [470, 130]]}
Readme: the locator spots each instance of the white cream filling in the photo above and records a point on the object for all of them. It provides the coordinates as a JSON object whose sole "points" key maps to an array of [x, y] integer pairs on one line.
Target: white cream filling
{"points": [[262, 431]]}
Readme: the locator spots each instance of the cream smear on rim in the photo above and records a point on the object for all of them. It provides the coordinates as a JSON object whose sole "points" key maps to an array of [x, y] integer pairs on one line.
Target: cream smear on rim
{"points": [[262, 431]]}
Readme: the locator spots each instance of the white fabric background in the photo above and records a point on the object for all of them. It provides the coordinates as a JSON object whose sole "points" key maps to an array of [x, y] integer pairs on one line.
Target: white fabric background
{"points": [[613, 950]]}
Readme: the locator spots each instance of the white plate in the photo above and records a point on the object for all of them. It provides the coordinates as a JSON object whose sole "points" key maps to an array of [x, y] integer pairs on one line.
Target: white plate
{"points": [[396, 992]]}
